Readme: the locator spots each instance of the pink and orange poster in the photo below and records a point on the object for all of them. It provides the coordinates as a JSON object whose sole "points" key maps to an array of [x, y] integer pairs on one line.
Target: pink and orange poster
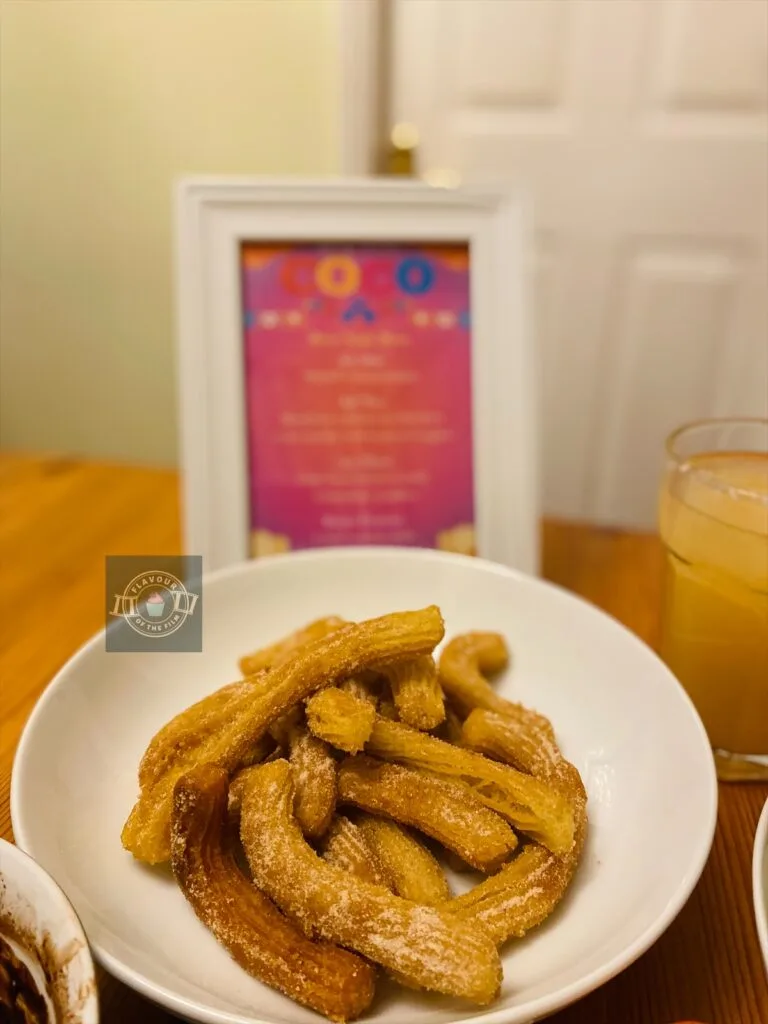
{"points": [[358, 395]]}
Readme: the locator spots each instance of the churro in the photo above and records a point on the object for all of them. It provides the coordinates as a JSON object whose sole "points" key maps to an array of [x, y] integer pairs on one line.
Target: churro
{"points": [[523, 746], [411, 870], [235, 794], [528, 803], [340, 718], [211, 713], [365, 686], [431, 947], [441, 808], [527, 890], [315, 771], [451, 729], [346, 847], [266, 944], [338, 655], [455, 863], [280, 730], [268, 657], [464, 663], [183, 732], [314, 775], [417, 692]]}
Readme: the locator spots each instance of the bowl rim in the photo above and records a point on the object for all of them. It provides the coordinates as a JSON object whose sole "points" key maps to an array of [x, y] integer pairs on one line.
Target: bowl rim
{"points": [[543, 1005], [759, 890], [56, 897]]}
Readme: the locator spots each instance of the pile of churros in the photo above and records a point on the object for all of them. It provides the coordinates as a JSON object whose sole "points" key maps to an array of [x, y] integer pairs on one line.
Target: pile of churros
{"points": [[309, 809]]}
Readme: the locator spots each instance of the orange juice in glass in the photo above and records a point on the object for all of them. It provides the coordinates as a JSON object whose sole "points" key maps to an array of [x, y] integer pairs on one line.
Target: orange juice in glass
{"points": [[714, 526]]}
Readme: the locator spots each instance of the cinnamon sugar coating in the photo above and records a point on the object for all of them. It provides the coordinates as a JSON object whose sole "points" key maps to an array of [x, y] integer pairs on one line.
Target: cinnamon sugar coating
{"points": [[530, 804], [267, 657], [413, 872], [464, 664], [422, 944], [417, 693], [438, 807], [341, 718], [346, 846], [527, 890], [332, 981]]}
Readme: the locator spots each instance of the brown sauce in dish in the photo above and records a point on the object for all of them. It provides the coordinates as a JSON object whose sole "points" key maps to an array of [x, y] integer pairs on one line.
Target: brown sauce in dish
{"points": [[20, 998]]}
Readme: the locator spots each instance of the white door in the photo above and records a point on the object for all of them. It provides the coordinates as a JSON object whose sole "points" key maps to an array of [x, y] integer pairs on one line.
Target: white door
{"points": [[639, 128]]}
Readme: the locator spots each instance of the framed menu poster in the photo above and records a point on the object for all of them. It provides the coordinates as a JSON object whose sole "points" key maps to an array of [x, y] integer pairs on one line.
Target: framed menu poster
{"points": [[358, 395], [355, 369]]}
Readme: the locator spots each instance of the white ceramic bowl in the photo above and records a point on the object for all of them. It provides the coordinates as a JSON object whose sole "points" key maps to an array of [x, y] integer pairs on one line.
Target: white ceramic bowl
{"points": [[760, 882], [620, 716], [38, 922]]}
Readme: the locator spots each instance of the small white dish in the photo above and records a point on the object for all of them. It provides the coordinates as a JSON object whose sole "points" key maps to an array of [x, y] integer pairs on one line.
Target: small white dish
{"points": [[620, 715], [760, 882], [42, 930]]}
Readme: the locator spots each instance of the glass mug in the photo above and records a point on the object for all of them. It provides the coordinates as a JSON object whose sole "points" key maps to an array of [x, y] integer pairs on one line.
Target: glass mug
{"points": [[713, 519]]}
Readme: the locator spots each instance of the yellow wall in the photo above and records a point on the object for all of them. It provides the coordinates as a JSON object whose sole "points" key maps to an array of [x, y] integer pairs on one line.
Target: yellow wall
{"points": [[104, 102]]}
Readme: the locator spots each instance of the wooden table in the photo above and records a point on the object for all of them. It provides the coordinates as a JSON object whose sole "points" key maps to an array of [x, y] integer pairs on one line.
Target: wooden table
{"points": [[59, 518]]}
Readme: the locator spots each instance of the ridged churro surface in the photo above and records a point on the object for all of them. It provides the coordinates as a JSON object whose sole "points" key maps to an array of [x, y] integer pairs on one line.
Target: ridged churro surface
{"points": [[420, 943], [417, 693], [438, 807], [530, 804], [411, 870], [266, 944], [341, 718]]}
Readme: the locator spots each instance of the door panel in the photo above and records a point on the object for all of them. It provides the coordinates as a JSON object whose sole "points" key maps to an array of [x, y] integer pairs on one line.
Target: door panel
{"points": [[683, 299], [639, 130]]}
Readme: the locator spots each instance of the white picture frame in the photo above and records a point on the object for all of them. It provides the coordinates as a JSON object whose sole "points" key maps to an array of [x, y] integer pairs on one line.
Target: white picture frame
{"points": [[216, 216]]}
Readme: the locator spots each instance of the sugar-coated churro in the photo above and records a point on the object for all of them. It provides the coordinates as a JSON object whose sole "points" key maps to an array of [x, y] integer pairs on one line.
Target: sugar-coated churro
{"points": [[528, 803], [417, 692], [464, 663], [235, 794], [346, 847], [340, 718], [522, 745], [420, 943], [314, 775], [438, 807], [527, 890], [182, 733], [412, 871], [266, 944], [268, 657], [365, 685]]}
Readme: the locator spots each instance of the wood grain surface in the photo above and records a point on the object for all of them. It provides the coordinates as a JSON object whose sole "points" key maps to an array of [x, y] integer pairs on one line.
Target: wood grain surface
{"points": [[59, 518]]}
